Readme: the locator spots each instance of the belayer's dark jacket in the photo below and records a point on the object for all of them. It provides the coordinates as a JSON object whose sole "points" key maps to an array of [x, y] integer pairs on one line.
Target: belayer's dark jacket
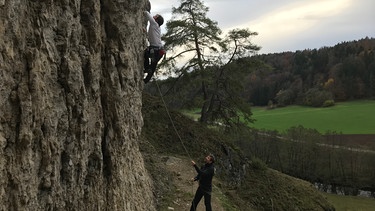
{"points": [[205, 174]]}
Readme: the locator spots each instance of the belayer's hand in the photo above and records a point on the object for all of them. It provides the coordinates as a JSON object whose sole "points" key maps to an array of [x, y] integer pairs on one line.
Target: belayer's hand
{"points": [[193, 163]]}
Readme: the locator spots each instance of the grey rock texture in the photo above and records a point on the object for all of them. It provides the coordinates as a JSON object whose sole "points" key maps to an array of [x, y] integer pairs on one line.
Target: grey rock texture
{"points": [[70, 105]]}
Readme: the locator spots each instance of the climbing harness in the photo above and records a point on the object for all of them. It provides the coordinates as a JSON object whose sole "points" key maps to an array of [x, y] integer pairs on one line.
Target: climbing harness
{"points": [[156, 53]]}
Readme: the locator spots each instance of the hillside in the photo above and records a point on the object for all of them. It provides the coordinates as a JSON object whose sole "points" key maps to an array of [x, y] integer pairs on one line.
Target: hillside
{"points": [[240, 183]]}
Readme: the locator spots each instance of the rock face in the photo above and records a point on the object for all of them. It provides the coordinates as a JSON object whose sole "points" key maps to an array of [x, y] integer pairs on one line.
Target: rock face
{"points": [[70, 105]]}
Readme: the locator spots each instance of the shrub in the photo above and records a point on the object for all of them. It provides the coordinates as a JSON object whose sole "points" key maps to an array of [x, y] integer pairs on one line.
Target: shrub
{"points": [[258, 164], [316, 97], [328, 103], [285, 97]]}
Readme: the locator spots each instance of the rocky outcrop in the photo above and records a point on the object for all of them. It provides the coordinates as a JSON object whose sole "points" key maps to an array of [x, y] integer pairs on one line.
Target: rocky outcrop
{"points": [[70, 105]]}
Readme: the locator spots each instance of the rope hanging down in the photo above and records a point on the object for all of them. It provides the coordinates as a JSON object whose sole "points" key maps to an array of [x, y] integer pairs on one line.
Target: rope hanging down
{"points": [[170, 118]]}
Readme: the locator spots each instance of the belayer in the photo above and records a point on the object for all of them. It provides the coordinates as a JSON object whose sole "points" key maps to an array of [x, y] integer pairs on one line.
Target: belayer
{"points": [[205, 174], [155, 51]]}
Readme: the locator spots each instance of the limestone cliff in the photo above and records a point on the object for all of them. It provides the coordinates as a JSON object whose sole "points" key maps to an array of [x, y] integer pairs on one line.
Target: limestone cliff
{"points": [[70, 105]]}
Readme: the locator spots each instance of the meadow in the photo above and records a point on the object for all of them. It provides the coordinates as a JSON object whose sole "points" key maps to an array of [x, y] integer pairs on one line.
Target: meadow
{"points": [[350, 203], [355, 117]]}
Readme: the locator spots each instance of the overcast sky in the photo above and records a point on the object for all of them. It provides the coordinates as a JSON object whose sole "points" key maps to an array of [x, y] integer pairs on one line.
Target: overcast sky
{"points": [[289, 25]]}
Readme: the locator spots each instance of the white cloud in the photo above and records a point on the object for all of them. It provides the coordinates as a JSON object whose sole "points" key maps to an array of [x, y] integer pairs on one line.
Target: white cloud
{"points": [[285, 25], [280, 25]]}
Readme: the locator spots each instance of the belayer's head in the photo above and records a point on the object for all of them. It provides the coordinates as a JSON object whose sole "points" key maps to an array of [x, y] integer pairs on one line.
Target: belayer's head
{"points": [[159, 19], [209, 158]]}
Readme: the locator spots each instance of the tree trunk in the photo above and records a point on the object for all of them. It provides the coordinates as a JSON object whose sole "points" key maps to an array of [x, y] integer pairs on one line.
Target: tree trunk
{"points": [[204, 116], [70, 106]]}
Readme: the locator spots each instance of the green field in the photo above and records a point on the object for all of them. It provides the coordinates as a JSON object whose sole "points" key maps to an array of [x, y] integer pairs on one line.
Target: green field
{"points": [[357, 117], [351, 203]]}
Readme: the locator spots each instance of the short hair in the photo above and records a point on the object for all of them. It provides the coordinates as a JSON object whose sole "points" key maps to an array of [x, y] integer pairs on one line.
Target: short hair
{"points": [[212, 158], [160, 20]]}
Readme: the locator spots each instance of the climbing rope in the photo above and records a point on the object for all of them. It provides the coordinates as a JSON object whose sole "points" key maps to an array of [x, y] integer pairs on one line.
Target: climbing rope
{"points": [[170, 118], [174, 127]]}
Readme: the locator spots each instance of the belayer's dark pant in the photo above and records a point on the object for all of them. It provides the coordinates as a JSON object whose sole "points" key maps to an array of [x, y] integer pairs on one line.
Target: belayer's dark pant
{"points": [[197, 198], [152, 56]]}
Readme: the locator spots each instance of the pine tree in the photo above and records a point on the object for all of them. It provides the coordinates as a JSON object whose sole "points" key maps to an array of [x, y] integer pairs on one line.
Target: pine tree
{"points": [[196, 45], [190, 33]]}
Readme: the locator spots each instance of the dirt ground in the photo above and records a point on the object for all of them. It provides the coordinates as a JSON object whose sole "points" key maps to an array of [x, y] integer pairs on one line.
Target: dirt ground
{"points": [[183, 172]]}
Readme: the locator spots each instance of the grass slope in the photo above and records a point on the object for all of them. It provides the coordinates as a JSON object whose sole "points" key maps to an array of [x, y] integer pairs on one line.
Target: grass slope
{"points": [[239, 184], [355, 117]]}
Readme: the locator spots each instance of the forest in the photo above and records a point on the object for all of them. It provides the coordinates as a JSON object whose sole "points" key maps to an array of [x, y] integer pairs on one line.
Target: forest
{"points": [[311, 77], [316, 77]]}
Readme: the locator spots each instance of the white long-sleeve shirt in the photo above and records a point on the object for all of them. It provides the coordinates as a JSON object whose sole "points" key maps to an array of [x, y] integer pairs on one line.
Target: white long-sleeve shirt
{"points": [[154, 32]]}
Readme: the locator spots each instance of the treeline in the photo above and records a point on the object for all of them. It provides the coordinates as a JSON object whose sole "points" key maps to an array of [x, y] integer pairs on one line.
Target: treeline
{"points": [[317, 77]]}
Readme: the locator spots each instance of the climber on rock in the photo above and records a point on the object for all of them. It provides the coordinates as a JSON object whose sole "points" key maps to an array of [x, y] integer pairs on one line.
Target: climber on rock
{"points": [[154, 52]]}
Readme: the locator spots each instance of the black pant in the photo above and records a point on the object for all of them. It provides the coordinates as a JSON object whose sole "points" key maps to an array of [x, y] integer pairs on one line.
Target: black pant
{"points": [[197, 198], [151, 59]]}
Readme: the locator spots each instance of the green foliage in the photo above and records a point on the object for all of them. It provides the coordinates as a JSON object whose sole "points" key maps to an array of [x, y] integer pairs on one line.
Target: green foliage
{"points": [[328, 103], [285, 97], [194, 36], [296, 76], [258, 164], [191, 35], [309, 77], [316, 97], [238, 44]]}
